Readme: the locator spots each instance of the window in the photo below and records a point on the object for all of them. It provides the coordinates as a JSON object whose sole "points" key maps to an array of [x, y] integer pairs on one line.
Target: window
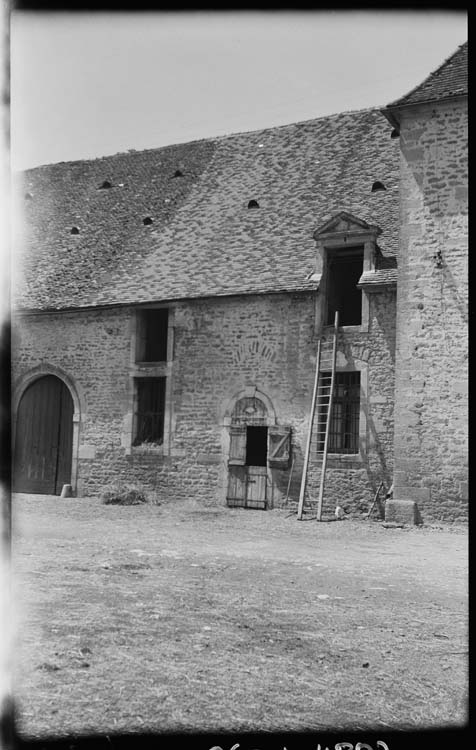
{"points": [[344, 271], [152, 335], [150, 409], [344, 424]]}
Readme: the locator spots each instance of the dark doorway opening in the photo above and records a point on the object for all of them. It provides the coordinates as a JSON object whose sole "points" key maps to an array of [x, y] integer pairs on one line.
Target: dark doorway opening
{"points": [[344, 272], [256, 446]]}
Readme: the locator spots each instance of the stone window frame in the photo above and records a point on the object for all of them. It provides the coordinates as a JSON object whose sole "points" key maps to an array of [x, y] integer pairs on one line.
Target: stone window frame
{"points": [[343, 232], [139, 370]]}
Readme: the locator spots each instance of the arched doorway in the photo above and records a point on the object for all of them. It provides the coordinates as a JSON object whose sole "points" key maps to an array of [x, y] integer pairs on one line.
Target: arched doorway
{"points": [[44, 437], [247, 461]]}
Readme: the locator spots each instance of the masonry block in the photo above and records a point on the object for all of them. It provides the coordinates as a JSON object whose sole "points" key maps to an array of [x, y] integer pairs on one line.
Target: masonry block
{"points": [[221, 346], [401, 511]]}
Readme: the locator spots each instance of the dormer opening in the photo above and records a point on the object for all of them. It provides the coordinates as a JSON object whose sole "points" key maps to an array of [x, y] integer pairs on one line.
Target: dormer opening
{"points": [[105, 185], [74, 230], [344, 269], [394, 133], [253, 204], [178, 173], [28, 197], [378, 186], [147, 221]]}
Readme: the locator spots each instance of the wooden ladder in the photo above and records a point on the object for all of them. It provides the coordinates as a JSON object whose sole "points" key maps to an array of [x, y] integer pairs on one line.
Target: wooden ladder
{"points": [[323, 393]]}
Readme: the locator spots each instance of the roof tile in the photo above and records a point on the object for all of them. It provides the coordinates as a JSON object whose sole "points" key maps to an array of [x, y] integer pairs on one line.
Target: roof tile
{"points": [[204, 241], [449, 80]]}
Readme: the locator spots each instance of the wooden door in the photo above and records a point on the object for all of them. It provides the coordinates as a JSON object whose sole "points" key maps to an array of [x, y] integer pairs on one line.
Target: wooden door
{"points": [[256, 484], [247, 484], [44, 437], [236, 491]]}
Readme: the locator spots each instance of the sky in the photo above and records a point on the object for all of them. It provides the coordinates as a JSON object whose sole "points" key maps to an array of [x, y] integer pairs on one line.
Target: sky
{"points": [[88, 85]]}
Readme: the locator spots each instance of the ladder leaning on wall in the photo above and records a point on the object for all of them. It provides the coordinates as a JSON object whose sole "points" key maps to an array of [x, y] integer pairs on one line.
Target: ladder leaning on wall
{"points": [[323, 393]]}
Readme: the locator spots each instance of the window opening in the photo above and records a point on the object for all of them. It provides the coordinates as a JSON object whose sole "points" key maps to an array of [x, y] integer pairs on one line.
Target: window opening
{"points": [[344, 424], [344, 272], [256, 446], [149, 416], [152, 335]]}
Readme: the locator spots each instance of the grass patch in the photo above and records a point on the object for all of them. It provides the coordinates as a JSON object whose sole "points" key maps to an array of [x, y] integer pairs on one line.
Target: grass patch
{"points": [[125, 493]]}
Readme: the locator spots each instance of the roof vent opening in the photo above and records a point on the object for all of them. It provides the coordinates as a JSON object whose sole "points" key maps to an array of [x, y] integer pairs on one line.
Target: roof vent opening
{"points": [[178, 173], [147, 221], [253, 204], [105, 185], [394, 133], [28, 197], [378, 186], [74, 230]]}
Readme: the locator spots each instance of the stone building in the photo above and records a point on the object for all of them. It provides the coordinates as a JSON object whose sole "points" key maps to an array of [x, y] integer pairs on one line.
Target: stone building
{"points": [[431, 458], [168, 305]]}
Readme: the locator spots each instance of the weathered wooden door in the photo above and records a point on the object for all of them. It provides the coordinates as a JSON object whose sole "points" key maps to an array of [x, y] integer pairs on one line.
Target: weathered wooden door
{"points": [[247, 484], [256, 486], [44, 437]]}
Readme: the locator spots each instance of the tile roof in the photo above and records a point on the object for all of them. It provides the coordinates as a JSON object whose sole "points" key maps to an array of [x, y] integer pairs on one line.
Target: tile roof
{"points": [[449, 80], [204, 241], [377, 279]]}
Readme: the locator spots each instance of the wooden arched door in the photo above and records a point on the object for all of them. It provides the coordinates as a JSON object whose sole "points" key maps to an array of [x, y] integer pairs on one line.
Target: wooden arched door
{"points": [[44, 438]]}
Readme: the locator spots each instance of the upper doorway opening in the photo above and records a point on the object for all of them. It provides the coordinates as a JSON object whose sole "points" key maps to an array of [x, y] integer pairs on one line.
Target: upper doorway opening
{"points": [[344, 271], [256, 446]]}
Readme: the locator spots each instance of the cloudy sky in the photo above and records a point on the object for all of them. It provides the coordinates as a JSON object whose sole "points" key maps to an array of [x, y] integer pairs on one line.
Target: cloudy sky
{"points": [[94, 84]]}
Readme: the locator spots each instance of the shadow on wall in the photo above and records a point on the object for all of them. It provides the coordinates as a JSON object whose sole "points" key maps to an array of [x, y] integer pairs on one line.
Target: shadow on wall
{"points": [[381, 472], [451, 288], [386, 322], [287, 483]]}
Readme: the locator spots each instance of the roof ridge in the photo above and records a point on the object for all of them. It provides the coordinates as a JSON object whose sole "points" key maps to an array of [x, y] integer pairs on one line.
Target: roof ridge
{"points": [[211, 139], [432, 73]]}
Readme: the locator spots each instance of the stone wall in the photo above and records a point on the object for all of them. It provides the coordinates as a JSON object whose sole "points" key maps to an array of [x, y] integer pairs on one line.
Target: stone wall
{"points": [[222, 347], [431, 373]]}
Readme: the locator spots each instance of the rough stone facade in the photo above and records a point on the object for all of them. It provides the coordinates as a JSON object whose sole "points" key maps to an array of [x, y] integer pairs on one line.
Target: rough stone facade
{"points": [[432, 352], [221, 348], [249, 294]]}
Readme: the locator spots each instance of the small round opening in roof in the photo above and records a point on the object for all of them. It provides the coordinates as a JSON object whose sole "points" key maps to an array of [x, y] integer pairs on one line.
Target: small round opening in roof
{"points": [[253, 204], [148, 220], [74, 230], [378, 186]]}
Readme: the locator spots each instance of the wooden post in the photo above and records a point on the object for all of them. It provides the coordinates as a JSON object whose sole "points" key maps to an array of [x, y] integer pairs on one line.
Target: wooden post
{"points": [[309, 436], [328, 420]]}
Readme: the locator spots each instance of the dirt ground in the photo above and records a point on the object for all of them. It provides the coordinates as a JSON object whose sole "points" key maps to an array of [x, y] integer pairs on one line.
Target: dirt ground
{"points": [[178, 618]]}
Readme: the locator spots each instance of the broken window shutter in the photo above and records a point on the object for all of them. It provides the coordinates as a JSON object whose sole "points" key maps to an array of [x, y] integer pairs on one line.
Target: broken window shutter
{"points": [[279, 448], [237, 446]]}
